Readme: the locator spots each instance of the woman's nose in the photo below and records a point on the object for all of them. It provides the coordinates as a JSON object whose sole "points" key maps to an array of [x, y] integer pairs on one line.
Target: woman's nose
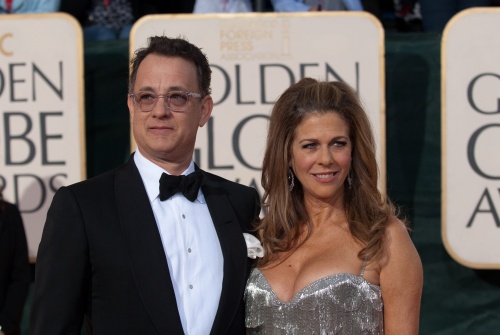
{"points": [[326, 157]]}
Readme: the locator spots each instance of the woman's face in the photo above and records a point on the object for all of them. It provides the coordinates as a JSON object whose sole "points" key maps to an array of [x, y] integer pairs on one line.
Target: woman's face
{"points": [[321, 156]]}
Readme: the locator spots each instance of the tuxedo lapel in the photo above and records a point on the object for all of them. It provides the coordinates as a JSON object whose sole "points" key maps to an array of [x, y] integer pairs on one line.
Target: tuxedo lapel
{"points": [[233, 250], [148, 262]]}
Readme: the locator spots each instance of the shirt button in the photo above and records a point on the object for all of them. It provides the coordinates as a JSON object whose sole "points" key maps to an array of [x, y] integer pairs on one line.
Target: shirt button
{"points": [[183, 216], [189, 250], [191, 287]]}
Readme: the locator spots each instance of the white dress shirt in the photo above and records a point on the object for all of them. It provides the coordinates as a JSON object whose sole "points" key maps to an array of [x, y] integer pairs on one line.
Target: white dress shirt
{"points": [[192, 248]]}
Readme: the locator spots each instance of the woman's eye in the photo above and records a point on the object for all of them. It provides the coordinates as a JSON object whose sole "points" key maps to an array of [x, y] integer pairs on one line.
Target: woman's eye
{"points": [[340, 143], [309, 146]]}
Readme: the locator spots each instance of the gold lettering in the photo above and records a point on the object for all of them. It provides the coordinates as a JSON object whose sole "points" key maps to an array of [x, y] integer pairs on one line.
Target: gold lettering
{"points": [[2, 49]]}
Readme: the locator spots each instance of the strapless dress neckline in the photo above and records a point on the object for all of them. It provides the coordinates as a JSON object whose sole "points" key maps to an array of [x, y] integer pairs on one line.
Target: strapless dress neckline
{"points": [[313, 283]]}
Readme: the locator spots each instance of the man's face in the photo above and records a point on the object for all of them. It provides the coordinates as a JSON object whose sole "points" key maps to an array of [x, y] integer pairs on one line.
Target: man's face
{"points": [[162, 135]]}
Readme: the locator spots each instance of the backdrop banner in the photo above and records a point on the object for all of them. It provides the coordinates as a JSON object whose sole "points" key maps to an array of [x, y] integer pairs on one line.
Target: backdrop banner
{"points": [[255, 57], [42, 115], [471, 138]]}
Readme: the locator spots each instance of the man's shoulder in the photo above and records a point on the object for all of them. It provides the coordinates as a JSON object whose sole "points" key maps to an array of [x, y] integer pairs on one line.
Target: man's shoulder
{"points": [[95, 180], [104, 178]]}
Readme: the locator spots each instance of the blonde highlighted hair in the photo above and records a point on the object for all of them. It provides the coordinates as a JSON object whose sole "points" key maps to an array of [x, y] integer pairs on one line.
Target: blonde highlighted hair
{"points": [[367, 210]]}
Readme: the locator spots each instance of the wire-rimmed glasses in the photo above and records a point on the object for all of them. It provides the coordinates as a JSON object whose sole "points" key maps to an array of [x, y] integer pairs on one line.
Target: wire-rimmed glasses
{"points": [[176, 101]]}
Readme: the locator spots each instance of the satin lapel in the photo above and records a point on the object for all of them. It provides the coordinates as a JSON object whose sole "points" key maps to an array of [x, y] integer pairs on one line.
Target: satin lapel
{"points": [[233, 250], [145, 250]]}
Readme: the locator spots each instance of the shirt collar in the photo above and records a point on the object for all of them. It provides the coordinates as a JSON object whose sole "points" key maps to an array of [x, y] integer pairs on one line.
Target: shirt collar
{"points": [[151, 173]]}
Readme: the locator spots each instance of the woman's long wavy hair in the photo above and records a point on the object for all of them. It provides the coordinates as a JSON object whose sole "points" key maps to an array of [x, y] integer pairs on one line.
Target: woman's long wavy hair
{"points": [[367, 210]]}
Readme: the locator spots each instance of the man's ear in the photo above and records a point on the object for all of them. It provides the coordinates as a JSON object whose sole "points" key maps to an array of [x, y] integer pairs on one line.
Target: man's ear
{"points": [[207, 105], [131, 106]]}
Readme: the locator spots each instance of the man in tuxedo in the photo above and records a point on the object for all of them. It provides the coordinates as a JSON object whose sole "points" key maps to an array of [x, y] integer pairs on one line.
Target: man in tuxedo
{"points": [[15, 274], [129, 250]]}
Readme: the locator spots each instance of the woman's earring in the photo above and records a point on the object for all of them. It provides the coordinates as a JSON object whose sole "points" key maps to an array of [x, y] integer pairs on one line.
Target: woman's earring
{"points": [[291, 180], [349, 180]]}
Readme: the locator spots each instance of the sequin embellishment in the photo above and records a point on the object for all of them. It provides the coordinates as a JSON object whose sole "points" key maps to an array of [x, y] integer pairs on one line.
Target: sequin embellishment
{"points": [[338, 304]]}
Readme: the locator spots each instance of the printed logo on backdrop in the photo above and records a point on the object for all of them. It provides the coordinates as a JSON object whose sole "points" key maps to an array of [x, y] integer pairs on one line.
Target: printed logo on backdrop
{"points": [[255, 57], [471, 138], [41, 106]]}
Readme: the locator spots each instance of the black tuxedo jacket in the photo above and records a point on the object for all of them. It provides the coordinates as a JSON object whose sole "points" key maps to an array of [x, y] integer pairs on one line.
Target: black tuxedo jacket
{"points": [[15, 273], [101, 256]]}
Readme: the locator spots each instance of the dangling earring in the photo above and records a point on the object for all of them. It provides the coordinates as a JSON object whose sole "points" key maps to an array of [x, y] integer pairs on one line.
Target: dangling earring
{"points": [[349, 180], [291, 180]]}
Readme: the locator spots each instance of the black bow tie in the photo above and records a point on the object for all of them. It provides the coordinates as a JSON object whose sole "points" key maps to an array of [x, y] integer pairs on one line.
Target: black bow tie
{"points": [[187, 185]]}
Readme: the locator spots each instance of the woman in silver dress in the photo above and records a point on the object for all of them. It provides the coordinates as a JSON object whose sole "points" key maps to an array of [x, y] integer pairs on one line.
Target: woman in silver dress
{"points": [[337, 258]]}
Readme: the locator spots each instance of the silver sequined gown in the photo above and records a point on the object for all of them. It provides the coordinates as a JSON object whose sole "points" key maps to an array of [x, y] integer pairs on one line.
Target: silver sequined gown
{"points": [[337, 304]]}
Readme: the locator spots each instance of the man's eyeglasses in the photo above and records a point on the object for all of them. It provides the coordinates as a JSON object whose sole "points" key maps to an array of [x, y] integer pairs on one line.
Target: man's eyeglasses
{"points": [[176, 101]]}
